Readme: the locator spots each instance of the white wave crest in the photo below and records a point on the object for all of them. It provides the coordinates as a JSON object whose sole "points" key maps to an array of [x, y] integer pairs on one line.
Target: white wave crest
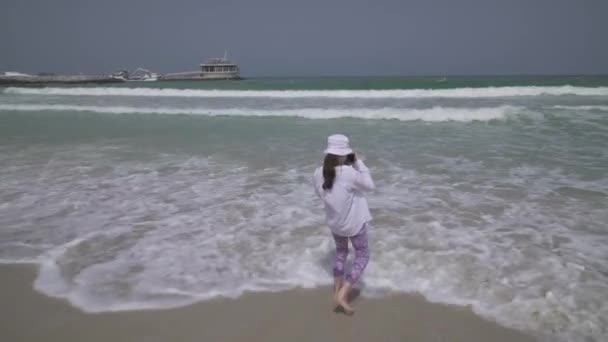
{"points": [[590, 108], [489, 92], [433, 114]]}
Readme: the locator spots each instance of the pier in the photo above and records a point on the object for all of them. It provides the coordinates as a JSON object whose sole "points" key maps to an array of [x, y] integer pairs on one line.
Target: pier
{"points": [[18, 79]]}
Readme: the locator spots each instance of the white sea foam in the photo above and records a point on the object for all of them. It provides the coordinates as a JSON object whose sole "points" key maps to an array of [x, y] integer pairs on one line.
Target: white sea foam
{"points": [[403, 114], [489, 92], [116, 226], [171, 232], [583, 107]]}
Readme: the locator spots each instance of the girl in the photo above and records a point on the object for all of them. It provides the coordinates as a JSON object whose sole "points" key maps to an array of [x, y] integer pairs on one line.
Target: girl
{"points": [[340, 183]]}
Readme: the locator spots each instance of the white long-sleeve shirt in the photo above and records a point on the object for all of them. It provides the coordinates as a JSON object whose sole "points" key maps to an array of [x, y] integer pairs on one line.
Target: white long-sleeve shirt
{"points": [[346, 208]]}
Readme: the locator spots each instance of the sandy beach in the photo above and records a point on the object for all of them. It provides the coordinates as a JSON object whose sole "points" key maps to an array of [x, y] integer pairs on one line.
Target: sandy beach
{"points": [[297, 315]]}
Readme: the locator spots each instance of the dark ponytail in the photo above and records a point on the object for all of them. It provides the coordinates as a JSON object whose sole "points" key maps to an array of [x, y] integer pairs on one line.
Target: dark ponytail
{"points": [[329, 170]]}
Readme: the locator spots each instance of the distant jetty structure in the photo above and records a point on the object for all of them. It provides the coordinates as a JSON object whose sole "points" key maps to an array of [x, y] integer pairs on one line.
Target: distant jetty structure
{"points": [[20, 79], [213, 69]]}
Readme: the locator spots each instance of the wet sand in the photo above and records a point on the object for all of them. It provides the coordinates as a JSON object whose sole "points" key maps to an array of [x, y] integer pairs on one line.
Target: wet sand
{"points": [[296, 315]]}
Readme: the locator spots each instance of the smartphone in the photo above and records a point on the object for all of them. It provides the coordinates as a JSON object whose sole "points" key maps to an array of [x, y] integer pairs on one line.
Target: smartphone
{"points": [[350, 159]]}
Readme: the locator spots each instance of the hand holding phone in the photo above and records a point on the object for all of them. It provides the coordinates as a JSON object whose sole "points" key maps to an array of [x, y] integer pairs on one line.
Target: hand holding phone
{"points": [[351, 159]]}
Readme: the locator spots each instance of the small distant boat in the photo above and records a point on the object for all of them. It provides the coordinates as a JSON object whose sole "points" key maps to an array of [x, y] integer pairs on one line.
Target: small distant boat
{"points": [[213, 69], [142, 75]]}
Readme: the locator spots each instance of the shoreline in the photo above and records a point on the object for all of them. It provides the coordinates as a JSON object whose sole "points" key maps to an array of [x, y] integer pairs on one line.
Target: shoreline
{"points": [[294, 315]]}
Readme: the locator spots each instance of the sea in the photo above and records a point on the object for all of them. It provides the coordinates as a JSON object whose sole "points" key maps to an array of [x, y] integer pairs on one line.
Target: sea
{"points": [[491, 192]]}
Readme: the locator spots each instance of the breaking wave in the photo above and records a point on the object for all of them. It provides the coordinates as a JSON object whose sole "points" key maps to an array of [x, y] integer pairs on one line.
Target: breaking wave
{"points": [[489, 92], [433, 114]]}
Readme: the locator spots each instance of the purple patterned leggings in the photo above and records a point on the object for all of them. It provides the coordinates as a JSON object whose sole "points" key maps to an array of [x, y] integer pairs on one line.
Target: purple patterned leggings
{"points": [[359, 242]]}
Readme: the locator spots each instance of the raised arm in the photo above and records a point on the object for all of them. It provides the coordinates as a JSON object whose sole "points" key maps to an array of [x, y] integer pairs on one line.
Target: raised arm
{"points": [[363, 179]]}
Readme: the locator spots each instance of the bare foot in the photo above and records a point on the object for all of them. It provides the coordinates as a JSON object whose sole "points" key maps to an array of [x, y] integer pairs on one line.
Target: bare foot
{"points": [[341, 299]]}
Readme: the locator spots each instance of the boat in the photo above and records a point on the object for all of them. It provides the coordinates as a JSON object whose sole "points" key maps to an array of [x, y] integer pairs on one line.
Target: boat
{"points": [[214, 69], [142, 75]]}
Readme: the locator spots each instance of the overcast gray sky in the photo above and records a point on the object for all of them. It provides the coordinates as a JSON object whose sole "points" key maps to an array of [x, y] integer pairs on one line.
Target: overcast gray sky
{"points": [[308, 37]]}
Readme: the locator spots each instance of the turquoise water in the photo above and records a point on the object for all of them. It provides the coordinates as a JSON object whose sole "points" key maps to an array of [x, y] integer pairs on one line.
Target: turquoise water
{"points": [[366, 83], [491, 192]]}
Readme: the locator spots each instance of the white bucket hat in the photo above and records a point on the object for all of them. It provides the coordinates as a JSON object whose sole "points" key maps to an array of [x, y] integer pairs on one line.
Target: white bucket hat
{"points": [[337, 144]]}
